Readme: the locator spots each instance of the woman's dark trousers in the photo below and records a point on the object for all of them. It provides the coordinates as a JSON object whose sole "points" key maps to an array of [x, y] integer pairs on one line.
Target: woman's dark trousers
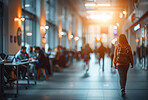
{"points": [[123, 69]]}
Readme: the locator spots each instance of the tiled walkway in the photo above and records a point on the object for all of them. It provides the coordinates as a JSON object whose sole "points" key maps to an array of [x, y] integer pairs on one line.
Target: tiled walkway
{"points": [[75, 84]]}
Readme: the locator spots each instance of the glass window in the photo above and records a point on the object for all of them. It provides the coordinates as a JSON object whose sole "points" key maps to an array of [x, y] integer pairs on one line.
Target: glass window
{"points": [[28, 33], [73, 24], [29, 5], [47, 10], [1, 31], [50, 10], [64, 17]]}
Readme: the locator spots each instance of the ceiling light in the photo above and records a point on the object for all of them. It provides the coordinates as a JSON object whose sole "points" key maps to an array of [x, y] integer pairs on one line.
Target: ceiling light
{"points": [[107, 5], [29, 34], [27, 5], [90, 4], [76, 38], [22, 19], [62, 33], [114, 27], [124, 12], [46, 27]]}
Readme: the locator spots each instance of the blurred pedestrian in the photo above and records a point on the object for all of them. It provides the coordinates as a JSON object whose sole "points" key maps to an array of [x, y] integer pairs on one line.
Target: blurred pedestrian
{"points": [[112, 54], [87, 51], [122, 58], [101, 51]]}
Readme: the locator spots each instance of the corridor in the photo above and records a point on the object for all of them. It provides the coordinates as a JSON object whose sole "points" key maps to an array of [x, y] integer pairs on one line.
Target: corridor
{"points": [[75, 84]]}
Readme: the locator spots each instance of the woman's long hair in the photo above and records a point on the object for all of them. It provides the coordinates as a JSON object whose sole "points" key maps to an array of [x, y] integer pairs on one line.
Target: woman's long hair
{"points": [[123, 40]]}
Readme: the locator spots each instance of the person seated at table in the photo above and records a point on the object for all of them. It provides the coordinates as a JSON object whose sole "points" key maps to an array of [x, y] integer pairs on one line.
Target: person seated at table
{"points": [[43, 62], [57, 61], [7, 78], [48, 53], [32, 53], [20, 56]]}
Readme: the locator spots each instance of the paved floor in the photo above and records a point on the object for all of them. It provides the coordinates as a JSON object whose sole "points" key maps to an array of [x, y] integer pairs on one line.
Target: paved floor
{"points": [[75, 84]]}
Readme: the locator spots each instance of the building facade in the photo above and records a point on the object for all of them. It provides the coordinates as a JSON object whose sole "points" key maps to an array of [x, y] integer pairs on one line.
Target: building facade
{"points": [[38, 23]]}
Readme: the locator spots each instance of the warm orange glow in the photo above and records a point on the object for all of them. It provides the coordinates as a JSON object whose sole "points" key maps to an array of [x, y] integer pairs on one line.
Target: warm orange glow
{"points": [[29, 34], [76, 38], [137, 40], [98, 39], [60, 30], [124, 12], [46, 27], [143, 38], [94, 4], [22, 19], [19, 15], [101, 16], [16, 19], [43, 30], [117, 24], [43, 40], [70, 36], [42, 23]]}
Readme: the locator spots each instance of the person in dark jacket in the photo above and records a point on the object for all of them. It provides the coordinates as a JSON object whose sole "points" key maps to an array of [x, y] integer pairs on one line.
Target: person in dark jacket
{"points": [[101, 51], [43, 61], [87, 50], [112, 54]]}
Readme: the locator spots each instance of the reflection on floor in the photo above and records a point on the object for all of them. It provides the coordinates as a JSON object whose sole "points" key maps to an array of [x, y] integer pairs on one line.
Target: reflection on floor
{"points": [[75, 84]]}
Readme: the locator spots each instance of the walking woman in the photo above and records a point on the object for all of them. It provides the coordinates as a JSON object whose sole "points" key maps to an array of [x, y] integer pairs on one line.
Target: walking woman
{"points": [[122, 58]]}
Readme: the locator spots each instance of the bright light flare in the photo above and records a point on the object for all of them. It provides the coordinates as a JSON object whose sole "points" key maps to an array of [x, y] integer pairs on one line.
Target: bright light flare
{"points": [[114, 41], [42, 27], [29, 34], [27, 5], [117, 24], [71, 36], [76, 38], [62, 33], [102, 17], [137, 40], [100, 5], [22, 19], [90, 5], [98, 39], [16, 19], [124, 12], [115, 27], [46, 27], [106, 5]]}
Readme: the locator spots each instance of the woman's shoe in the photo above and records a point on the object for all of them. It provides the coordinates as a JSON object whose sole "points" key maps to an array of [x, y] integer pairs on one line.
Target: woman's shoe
{"points": [[123, 93]]}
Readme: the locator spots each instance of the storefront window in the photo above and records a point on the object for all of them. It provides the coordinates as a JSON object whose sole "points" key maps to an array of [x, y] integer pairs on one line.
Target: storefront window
{"points": [[29, 5]]}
